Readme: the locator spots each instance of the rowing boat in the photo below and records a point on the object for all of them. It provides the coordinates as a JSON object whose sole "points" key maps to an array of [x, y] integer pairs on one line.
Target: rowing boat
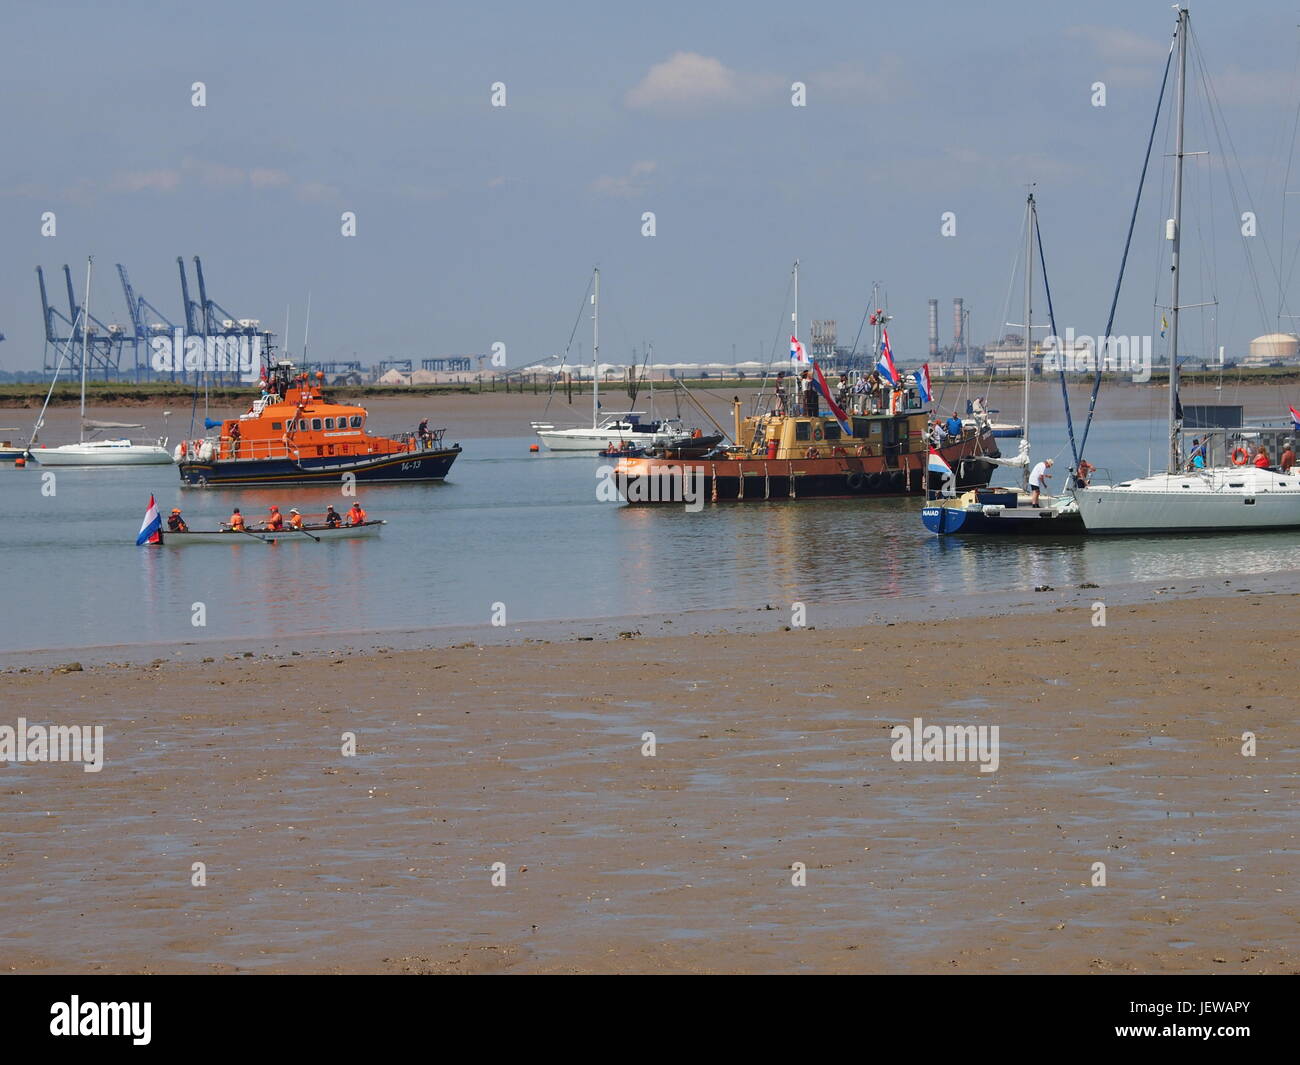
{"points": [[268, 536]]}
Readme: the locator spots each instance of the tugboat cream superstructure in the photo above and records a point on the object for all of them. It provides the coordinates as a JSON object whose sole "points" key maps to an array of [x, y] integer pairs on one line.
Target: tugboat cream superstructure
{"points": [[293, 434]]}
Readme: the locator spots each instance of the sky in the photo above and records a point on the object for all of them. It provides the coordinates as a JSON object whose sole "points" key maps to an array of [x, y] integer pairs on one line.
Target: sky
{"points": [[478, 225]]}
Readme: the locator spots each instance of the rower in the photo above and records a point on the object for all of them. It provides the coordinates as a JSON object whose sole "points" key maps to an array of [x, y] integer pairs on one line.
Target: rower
{"points": [[236, 522], [356, 516], [295, 519], [275, 520], [175, 523], [332, 519]]}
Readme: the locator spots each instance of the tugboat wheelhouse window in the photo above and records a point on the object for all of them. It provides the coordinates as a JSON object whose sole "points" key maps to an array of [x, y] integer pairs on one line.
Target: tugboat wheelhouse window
{"points": [[329, 423], [356, 421], [832, 430], [315, 423], [801, 430]]}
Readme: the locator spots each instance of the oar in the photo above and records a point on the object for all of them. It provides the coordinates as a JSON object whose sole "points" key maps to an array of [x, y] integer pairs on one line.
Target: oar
{"points": [[305, 533]]}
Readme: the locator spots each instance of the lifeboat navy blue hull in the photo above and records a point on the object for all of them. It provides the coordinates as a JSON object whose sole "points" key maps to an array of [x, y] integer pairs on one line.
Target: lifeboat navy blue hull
{"points": [[402, 467]]}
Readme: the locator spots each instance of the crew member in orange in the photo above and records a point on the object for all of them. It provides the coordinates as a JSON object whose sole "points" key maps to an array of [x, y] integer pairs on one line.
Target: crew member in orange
{"points": [[234, 441], [1261, 458], [236, 522], [356, 516], [175, 523], [295, 519], [275, 520]]}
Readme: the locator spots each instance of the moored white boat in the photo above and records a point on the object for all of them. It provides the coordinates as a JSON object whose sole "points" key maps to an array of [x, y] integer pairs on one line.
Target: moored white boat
{"points": [[1210, 500], [266, 536], [103, 453], [622, 428]]}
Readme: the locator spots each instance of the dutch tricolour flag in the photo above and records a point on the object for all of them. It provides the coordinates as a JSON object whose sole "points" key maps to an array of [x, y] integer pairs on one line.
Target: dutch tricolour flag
{"points": [[937, 464], [151, 530], [798, 354], [886, 365], [1295, 417], [923, 382]]}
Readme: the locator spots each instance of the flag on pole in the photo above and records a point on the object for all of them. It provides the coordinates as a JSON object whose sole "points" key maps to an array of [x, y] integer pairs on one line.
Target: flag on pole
{"points": [[151, 530], [798, 353], [1164, 323], [937, 464], [923, 382], [820, 383], [886, 365], [1295, 417]]}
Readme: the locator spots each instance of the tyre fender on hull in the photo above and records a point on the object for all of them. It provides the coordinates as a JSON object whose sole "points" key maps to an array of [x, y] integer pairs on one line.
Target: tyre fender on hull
{"points": [[856, 481]]}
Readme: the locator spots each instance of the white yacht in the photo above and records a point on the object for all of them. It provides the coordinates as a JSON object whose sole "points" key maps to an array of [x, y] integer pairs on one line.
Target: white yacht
{"points": [[620, 428], [1217, 498], [94, 452]]}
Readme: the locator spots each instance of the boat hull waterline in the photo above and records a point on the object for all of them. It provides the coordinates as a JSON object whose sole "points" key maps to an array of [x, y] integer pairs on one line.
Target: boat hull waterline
{"points": [[103, 453], [399, 468], [755, 480], [308, 533], [1218, 500]]}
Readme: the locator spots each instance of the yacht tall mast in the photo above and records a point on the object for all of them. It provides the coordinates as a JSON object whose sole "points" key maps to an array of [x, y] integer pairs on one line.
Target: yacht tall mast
{"points": [[1030, 219], [1175, 235], [85, 347], [595, 350]]}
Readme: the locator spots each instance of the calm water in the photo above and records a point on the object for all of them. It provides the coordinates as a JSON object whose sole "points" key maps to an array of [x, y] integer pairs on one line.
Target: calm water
{"points": [[525, 530]]}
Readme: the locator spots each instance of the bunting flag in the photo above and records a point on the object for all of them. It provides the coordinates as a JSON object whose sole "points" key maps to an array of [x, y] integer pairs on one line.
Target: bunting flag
{"points": [[151, 530], [923, 382], [885, 365], [1164, 324], [820, 384], [1295, 417], [798, 353]]}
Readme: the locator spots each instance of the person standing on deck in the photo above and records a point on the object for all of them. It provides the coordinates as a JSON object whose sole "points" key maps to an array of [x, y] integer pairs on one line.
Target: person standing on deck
{"points": [[234, 441], [779, 393], [1038, 479], [954, 426], [1288, 458], [426, 437]]}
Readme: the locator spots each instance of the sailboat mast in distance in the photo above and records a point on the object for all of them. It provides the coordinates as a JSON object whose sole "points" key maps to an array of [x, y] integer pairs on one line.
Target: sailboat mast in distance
{"points": [[595, 349], [1030, 218], [85, 347], [1175, 235]]}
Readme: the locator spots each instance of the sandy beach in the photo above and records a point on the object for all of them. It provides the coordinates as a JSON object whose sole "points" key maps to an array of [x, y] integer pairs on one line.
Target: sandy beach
{"points": [[1119, 744]]}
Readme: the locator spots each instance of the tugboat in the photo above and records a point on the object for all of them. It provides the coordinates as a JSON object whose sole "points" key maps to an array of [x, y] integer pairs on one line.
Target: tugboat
{"points": [[809, 456], [293, 434]]}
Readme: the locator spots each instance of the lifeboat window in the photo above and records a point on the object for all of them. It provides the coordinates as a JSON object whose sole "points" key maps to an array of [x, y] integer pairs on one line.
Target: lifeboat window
{"points": [[832, 430], [356, 421], [329, 423], [801, 430], [315, 423], [275, 427]]}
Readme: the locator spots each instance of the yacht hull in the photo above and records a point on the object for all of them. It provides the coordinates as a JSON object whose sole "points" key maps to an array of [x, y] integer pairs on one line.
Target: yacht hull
{"points": [[1214, 501]]}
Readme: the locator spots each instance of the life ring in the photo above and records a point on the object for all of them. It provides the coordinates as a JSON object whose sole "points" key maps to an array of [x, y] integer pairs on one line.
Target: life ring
{"points": [[1240, 456], [861, 450], [839, 452], [856, 481], [817, 432], [811, 453]]}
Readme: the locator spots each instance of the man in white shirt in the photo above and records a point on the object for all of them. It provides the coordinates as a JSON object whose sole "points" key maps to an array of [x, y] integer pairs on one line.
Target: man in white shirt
{"points": [[1038, 479]]}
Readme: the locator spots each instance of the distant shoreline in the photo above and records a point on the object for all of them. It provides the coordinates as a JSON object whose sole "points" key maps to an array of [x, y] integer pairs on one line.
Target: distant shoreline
{"points": [[30, 396]]}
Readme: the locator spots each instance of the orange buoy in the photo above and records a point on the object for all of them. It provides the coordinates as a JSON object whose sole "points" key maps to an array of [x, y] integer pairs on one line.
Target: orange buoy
{"points": [[20, 462], [534, 448]]}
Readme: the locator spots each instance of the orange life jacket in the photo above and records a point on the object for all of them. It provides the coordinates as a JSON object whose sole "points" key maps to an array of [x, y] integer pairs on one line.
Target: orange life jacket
{"points": [[275, 521], [237, 522], [356, 515]]}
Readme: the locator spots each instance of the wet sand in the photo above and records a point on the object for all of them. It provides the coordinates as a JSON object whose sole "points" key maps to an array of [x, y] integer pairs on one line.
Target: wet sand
{"points": [[1119, 744]]}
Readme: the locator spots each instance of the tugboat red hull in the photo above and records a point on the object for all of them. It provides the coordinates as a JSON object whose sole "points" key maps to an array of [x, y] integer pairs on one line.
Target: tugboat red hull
{"points": [[755, 480]]}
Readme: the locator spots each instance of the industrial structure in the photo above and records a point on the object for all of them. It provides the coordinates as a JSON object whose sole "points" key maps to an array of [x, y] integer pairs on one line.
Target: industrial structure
{"points": [[116, 351]]}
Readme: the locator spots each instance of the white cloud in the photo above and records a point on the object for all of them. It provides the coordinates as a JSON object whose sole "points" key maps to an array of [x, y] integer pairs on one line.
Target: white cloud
{"points": [[688, 80], [633, 183]]}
